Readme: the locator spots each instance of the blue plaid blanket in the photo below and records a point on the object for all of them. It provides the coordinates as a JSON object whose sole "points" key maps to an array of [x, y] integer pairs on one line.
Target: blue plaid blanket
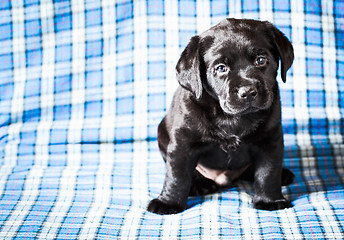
{"points": [[83, 85]]}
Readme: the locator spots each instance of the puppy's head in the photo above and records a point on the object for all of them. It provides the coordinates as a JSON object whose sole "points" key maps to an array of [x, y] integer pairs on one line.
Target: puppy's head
{"points": [[236, 63]]}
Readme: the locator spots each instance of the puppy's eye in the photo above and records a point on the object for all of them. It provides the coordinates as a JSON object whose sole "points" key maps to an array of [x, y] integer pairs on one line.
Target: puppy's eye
{"points": [[260, 61], [221, 68]]}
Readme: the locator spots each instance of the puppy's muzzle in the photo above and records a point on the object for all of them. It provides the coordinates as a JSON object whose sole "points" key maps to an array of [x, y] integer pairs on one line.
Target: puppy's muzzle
{"points": [[250, 97]]}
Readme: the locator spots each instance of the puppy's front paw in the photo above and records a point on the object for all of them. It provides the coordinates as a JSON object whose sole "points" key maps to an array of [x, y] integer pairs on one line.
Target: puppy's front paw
{"points": [[272, 205], [159, 207]]}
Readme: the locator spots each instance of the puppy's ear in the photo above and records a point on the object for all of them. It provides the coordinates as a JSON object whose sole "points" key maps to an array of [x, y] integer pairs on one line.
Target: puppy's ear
{"points": [[188, 68], [285, 50]]}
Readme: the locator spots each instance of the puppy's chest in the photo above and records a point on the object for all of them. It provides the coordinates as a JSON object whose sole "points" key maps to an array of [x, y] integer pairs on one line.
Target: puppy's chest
{"points": [[231, 130]]}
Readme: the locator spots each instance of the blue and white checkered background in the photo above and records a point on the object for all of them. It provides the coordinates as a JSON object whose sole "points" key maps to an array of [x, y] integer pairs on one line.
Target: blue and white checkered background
{"points": [[83, 85]]}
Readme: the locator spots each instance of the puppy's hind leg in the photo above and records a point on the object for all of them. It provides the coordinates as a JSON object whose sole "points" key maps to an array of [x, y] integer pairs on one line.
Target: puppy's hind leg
{"points": [[201, 185], [287, 177]]}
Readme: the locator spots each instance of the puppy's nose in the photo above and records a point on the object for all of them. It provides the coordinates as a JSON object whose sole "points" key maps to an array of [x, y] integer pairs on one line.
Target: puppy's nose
{"points": [[247, 93]]}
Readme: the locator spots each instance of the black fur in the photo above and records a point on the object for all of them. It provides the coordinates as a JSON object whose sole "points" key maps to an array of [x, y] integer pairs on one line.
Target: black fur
{"points": [[226, 115]]}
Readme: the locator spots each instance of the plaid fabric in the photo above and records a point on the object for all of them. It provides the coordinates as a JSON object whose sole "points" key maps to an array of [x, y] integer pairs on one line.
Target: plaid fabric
{"points": [[83, 85]]}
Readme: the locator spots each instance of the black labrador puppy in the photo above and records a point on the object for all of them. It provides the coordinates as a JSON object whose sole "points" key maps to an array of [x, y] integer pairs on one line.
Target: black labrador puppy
{"points": [[224, 122]]}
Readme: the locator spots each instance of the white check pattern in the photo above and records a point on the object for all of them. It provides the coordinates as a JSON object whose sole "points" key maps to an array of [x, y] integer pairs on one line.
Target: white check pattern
{"points": [[83, 86]]}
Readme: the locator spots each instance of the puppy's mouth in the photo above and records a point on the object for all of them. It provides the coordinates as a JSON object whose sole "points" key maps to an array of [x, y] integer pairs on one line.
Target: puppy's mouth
{"points": [[244, 108], [227, 108]]}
